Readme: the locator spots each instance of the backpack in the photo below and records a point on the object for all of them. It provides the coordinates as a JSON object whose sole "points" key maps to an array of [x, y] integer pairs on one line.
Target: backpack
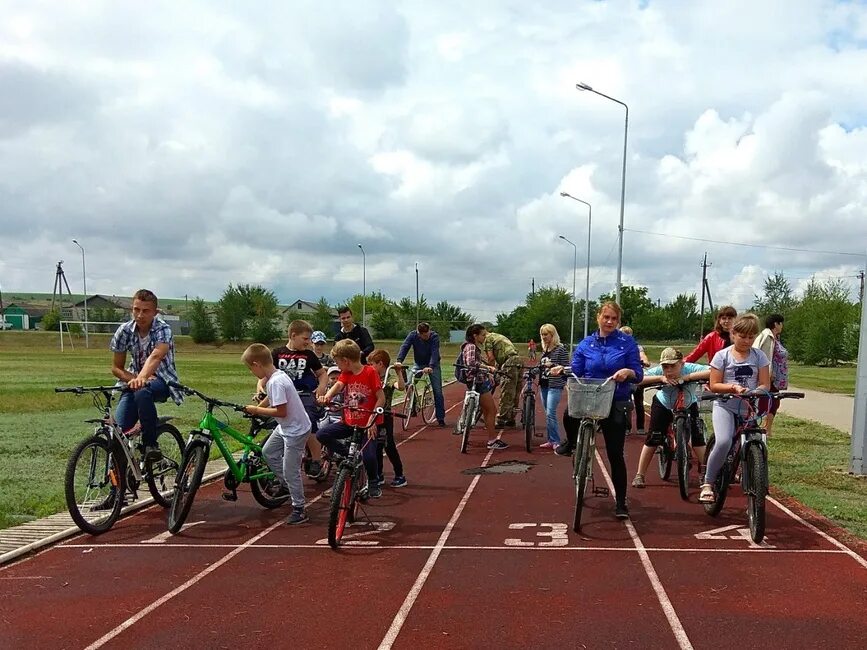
{"points": [[460, 368]]}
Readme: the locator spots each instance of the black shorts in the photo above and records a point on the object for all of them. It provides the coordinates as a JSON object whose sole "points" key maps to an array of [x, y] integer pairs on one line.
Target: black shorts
{"points": [[661, 418]]}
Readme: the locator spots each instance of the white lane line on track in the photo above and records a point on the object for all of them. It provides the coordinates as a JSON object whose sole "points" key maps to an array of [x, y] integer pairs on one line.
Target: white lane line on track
{"points": [[132, 620], [402, 614], [668, 609], [417, 547], [843, 548]]}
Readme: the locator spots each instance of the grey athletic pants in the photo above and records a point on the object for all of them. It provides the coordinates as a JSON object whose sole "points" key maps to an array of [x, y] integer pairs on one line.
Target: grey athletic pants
{"points": [[283, 455]]}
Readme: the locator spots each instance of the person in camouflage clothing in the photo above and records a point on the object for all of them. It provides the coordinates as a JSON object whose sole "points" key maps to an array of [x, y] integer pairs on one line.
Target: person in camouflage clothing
{"points": [[500, 351]]}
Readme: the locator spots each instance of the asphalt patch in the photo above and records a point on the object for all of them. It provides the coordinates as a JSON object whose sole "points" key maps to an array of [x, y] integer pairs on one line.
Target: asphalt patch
{"points": [[504, 467]]}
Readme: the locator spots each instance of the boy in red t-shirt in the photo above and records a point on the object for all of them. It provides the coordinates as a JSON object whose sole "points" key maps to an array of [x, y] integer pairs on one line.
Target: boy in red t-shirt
{"points": [[361, 387]]}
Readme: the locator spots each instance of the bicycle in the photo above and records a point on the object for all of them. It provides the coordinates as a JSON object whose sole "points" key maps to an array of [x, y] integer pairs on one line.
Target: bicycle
{"points": [[528, 405], [412, 403], [250, 468], [675, 445], [350, 485], [749, 452], [470, 411], [106, 466], [589, 400]]}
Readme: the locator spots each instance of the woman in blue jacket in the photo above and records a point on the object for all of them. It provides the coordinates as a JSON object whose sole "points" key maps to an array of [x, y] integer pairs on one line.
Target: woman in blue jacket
{"points": [[608, 353]]}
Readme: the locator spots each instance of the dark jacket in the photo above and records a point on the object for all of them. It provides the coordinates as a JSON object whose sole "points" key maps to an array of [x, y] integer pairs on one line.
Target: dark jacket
{"points": [[426, 354], [361, 336]]}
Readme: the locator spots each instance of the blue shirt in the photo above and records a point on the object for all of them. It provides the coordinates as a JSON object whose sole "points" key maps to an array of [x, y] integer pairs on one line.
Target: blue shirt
{"points": [[426, 354], [599, 357], [667, 395], [126, 339]]}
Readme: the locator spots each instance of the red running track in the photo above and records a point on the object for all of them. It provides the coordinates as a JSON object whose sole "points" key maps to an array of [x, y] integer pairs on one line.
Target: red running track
{"points": [[453, 560]]}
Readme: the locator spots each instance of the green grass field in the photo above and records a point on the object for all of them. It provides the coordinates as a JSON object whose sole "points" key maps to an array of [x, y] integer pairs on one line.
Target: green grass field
{"points": [[38, 427]]}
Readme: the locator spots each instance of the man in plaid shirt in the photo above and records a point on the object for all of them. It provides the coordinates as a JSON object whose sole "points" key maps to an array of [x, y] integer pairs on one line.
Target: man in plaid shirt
{"points": [[151, 368]]}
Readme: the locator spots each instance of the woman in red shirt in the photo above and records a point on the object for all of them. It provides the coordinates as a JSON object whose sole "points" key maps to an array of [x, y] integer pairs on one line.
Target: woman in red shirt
{"points": [[717, 339]]}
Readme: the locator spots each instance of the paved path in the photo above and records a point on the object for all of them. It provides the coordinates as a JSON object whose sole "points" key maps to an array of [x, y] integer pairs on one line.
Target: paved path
{"points": [[831, 409]]}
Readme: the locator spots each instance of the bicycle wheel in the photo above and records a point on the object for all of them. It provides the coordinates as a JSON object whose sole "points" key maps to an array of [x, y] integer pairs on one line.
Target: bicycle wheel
{"points": [[189, 479], [162, 476], [359, 491], [94, 485], [468, 417], [427, 405], [758, 488], [682, 456], [408, 407], [582, 470], [528, 415], [341, 502], [721, 485], [664, 459], [263, 482]]}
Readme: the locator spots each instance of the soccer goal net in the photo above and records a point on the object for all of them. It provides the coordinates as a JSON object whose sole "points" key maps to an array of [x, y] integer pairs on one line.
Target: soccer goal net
{"points": [[79, 331]]}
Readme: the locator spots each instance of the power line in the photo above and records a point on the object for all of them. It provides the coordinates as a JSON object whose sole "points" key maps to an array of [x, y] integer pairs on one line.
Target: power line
{"points": [[735, 243]]}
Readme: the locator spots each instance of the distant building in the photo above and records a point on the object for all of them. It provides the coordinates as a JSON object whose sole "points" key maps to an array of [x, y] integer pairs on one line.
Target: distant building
{"points": [[114, 309], [24, 315], [304, 309]]}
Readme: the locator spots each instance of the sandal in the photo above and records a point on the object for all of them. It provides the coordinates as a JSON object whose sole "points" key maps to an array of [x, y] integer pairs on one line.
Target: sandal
{"points": [[706, 495]]}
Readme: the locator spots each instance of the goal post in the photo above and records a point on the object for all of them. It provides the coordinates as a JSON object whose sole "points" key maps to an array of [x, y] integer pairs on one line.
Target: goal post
{"points": [[90, 326]]}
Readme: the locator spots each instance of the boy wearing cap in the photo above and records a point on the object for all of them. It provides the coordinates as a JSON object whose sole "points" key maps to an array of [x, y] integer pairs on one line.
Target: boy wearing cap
{"points": [[670, 373], [318, 339]]}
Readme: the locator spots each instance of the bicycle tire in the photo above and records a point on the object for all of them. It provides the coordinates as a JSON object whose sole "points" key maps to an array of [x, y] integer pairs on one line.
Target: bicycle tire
{"points": [[359, 490], [582, 471], [758, 488], [682, 457], [528, 420], [189, 478], [341, 501], [664, 459], [408, 404], [468, 417], [259, 486], [721, 485], [165, 477], [428, 412], [109, 506]]}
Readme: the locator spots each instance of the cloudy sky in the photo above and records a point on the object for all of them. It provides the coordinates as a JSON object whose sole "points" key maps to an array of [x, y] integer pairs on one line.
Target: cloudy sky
{"points": [[192, 144]]}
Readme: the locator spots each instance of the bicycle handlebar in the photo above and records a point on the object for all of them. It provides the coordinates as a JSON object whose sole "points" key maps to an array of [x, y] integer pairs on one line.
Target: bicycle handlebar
{"points": [[210, 400], [80, 390], [357, 409], [751, 394]]}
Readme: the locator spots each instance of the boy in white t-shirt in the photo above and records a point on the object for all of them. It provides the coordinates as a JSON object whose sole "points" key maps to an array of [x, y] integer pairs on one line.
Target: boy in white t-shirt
{"points": [[285, 447]]}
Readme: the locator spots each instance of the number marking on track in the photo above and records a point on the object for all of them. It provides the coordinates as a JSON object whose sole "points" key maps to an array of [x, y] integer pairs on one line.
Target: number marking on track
{"points": [[162, 538], [741, 533], [557, 535]]}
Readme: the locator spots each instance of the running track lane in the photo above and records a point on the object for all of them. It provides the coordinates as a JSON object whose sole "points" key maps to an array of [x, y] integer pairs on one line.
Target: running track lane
{"points": [[458, 561]]}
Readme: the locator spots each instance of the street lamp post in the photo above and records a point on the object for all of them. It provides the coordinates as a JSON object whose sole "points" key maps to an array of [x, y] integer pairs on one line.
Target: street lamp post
{"points": [[583, 86], [363, 287], [574, 275], [84, 281], [416, 295], [587, 279]]}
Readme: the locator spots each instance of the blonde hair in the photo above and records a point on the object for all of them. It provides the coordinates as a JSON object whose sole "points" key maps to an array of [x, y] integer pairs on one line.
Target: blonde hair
{"points": [[258, 353], [346, 349], [746, 325], [613, 306], [300, 327], [626, 330], [547, 328]]}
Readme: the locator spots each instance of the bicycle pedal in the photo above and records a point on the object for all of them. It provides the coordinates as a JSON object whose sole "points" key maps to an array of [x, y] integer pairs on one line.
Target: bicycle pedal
{"points": [[601, 491], [229, 496]]}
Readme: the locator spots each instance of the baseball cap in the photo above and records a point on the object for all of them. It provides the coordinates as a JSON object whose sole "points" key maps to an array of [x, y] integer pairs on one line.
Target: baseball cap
{"points": [[670, 356], [318, 337], [333, 369]]}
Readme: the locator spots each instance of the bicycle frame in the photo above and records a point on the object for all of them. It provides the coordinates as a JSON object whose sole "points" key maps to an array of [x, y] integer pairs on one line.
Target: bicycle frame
{"points": [[211, 429]]}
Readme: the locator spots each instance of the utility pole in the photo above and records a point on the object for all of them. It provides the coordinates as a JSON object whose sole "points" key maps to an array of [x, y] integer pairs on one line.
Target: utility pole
{"points": [[59, 283], [704, 288], [859, 417], [533, 286], [417, 303], [861, 290]]}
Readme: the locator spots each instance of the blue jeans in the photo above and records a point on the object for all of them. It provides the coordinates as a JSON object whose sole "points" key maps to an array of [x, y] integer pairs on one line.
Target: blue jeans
{"points": [[140, 406], [551, 400], [334, 438], [436, 383]]}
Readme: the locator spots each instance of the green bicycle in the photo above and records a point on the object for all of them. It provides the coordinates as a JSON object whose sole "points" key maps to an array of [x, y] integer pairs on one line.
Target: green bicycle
{"points": [[250, 468]]}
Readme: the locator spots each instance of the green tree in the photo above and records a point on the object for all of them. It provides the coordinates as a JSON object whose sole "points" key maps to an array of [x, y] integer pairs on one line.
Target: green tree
{"points": [[387, 323], [816, 331], [264, 313], [777, 296], [202, 328], [447, 317], [232, 314], [51, 321], [547, 305], [633, 301], [322, 318]]}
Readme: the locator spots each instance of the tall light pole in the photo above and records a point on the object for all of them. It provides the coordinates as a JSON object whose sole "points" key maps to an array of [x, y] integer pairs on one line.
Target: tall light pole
{"points": [[84, 280], [583, 86], [574, 275], [417, 303], [587, 279], [363, 287]]}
